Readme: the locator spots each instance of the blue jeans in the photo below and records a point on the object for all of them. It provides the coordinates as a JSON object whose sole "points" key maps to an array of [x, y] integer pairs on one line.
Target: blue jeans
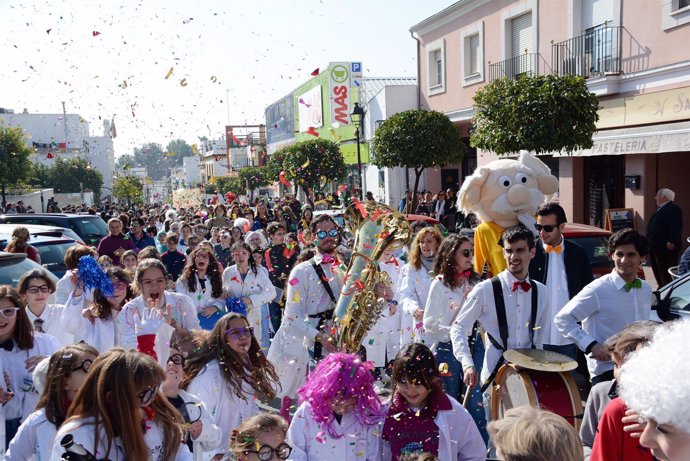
{"points": [[452, 381], [476, 404]]}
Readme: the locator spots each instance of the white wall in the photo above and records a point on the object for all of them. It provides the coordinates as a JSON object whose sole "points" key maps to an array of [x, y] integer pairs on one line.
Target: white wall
{"points": [[192, 173]]}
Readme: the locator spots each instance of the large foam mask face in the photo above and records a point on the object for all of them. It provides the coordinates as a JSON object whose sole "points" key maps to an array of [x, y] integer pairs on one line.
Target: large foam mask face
{"points": [[510, 190]]}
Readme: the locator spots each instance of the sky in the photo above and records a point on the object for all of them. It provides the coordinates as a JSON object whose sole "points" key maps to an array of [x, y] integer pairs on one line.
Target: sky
{"points": [[170, 69]]}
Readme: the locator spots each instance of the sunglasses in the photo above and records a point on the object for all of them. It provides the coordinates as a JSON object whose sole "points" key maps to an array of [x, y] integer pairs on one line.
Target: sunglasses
{"points": [[467, 253], [237, 333], [9, 312], [35, 290], [85, 365], [265, 452], [545, 227], [176, 359], [331, 233], [146, 396]]}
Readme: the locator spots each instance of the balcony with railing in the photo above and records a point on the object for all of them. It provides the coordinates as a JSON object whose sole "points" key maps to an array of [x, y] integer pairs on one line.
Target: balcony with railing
{"points": [[525, 64], [593, 54]]}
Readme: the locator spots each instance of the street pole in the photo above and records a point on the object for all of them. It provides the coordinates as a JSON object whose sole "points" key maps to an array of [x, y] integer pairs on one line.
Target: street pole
{"points": [[359, 165]]}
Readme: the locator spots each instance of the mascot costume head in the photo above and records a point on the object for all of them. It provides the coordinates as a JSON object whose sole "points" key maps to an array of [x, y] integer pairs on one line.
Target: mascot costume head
{"points": [[502, 194]]}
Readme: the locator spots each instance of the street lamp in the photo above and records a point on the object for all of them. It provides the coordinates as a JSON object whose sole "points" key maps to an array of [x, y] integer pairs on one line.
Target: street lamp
{"points": [[357, 118]]}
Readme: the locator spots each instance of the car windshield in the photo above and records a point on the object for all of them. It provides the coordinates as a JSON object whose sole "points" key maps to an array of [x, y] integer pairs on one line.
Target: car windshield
{"points": [[91, 229], [680, 296], [53, 255], [597, 249], [11, 270]]}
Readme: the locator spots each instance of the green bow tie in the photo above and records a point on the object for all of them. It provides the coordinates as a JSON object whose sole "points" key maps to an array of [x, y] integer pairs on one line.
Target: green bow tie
{"points": [[637, 283]]}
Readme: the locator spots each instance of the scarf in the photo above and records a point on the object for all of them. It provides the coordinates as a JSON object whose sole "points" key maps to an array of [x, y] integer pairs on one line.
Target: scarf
{"points": [[428, 263], [408, 431]]}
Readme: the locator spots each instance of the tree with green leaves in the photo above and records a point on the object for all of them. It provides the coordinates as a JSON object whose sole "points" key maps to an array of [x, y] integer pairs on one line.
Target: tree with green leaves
{"points": [[232, 184], [417, 139], [14, 157], [128, 189], [75, 175], [152, 156], [125, 162], [176, 150], [255, 177], [310, 164], [539, 113]]}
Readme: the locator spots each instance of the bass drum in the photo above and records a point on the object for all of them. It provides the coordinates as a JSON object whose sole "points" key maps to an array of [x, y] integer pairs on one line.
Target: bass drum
{"points": [[553, 391]]}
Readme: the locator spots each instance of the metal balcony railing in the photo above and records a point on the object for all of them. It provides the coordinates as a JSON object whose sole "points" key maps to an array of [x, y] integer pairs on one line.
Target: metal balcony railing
{"points": [[593, 54], [525, 64]]}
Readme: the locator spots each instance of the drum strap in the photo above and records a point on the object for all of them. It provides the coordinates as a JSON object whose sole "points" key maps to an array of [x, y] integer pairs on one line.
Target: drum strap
{"points": [[503, 324], [322, 316]]}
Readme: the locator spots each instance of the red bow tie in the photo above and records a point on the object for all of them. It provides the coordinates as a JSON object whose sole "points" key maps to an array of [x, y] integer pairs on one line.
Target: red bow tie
{"points": [[525, 285]]}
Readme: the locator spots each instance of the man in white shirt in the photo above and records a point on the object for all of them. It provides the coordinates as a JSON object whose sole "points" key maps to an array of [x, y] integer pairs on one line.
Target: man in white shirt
{"points": [[608, 304], [563, 266], [523, 320]]}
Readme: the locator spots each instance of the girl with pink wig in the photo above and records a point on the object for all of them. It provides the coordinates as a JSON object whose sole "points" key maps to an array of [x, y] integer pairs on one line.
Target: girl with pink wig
{"points": [[340, 415]]}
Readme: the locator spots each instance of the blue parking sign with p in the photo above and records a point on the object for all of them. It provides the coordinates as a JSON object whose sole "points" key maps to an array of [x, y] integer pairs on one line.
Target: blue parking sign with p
{"points": [[356, 67]]}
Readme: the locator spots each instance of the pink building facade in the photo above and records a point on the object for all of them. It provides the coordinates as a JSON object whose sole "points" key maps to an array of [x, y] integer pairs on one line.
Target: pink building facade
{"points": [[634, 55]]}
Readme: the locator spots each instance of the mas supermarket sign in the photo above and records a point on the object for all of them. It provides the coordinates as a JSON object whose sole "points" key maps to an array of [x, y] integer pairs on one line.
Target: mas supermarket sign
{"points": [[341, 74]]}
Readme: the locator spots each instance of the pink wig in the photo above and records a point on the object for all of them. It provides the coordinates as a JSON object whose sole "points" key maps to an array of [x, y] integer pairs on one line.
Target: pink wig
{"points": [[342, 376]]}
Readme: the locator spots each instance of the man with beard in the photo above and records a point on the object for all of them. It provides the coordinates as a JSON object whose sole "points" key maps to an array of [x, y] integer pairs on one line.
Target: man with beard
{"points": [[312, 292]]}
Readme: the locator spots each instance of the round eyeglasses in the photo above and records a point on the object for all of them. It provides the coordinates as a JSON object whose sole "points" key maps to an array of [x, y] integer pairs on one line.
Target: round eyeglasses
{"points": [[265, 452]]}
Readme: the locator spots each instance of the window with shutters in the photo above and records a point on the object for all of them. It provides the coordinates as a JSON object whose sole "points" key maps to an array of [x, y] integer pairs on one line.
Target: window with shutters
{"points": [[472, 59], [437, 67]]}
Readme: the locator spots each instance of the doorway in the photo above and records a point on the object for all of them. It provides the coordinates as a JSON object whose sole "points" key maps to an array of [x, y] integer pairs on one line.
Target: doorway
{"points": [[604, 186]]}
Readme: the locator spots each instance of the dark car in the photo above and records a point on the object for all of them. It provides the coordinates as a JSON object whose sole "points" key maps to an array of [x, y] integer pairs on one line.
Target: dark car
{"points": [[672, 301], [14, 265], [51, 249], [90, 228]]}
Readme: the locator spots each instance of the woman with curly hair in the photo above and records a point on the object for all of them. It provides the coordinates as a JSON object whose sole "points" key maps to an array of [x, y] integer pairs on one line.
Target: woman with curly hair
{"points": [[229, 372], [120, 414], [202, 281]]}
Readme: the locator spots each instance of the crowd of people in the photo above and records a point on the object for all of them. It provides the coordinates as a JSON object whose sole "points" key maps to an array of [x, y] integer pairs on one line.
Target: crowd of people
{"points": [[219, 314]]}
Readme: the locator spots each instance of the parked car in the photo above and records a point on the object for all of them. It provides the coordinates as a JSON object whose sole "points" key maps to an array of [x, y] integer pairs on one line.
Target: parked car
{"points": [[672, 301], [14, 265], [48, 231], [51, 249], [90, 228]]}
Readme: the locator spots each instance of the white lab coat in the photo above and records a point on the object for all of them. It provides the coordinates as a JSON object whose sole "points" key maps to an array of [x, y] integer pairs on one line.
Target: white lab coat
{"points": [[442, 306], [257, 287], [64, 289], [51, 317], [414, 291], [312, 442], [459, 439], [383, 340], [25, 395], [83, 432], [28, 444], [101, 334], [210, 433], [183, 312], [306, 296], [199, 298], [226, 409]]}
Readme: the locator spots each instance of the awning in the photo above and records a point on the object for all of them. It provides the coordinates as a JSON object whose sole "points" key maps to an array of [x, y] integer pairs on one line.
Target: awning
{"points": [[651, 139]]}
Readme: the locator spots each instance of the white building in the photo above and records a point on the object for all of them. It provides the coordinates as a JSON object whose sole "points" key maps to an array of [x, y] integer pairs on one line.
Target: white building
{"points": [[214, 159], [382, 98], [67, 136], [192, 172]]}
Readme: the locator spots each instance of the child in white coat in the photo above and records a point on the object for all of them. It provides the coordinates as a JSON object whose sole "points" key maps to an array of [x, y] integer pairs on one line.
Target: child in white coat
{"points": [[340, 415], [260, 437], [422, 418], [119, 413], [67, 371], [228, 372]]}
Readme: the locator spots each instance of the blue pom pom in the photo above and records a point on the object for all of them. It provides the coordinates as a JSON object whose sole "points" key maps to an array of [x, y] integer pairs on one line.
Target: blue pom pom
{"points": [[92, 276], [236, 305]]}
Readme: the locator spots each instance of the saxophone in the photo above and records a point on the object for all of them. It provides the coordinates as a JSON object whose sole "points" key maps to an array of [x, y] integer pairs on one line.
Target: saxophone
{"points": [[376, 228]]}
